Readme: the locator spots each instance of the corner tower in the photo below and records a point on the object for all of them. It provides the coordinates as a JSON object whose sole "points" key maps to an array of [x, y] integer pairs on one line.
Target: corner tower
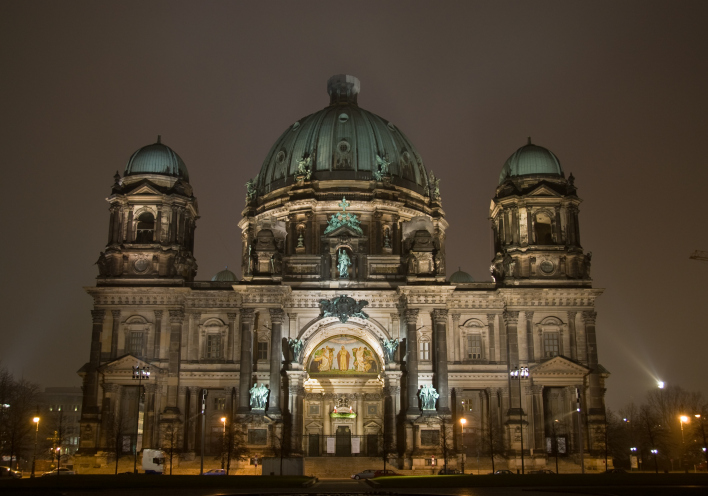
{"points": [[152, 221], [534, 217]]}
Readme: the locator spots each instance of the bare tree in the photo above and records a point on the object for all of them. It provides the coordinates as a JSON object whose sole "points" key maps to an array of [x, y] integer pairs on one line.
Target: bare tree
{"points": [[170, 441], [280, 446], [490, 438], [19, 405], [446, 439], [118, 427], [236, 444]]}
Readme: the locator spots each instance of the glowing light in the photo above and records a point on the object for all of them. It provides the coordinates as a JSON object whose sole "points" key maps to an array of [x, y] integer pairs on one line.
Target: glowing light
{"points": [[463, 421], [660, 384], [223, 419], [683, 418], [35, 420]]}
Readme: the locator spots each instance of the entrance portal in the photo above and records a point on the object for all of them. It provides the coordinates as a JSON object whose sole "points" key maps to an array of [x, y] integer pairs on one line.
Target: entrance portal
{"points": [[344, 441]]}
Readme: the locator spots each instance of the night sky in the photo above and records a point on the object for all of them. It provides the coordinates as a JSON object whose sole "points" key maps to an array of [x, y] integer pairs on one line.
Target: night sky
{"points": [[617, 90]]}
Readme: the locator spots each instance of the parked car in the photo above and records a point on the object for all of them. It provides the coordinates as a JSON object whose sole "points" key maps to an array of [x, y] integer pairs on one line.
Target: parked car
{"points": [[8, 472], [215, 471], [615, 471], [59, 471], [544, 471], [385, 473], [449, 471], [503, 472], [366, 474]]}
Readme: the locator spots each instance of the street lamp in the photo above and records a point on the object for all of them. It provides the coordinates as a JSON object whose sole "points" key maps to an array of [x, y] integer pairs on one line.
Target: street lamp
{"points": [[703, 431], [223, 443], [555, 443], [36, 432], [660, 384], [518, 374], [656, 465], [463, 421], [139, 374]]}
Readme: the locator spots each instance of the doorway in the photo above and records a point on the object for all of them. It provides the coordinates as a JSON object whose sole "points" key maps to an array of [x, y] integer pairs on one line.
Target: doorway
{"points": [[344, 441]]}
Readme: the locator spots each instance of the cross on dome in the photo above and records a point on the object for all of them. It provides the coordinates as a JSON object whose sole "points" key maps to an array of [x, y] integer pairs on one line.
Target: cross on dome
{"points": [[344, 204]]}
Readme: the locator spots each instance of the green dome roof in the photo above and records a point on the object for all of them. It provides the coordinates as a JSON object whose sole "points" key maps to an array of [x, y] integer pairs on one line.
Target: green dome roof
{"points": [[461, 277], [225, 276], [342, 142], [156, 159], [531, 160]]}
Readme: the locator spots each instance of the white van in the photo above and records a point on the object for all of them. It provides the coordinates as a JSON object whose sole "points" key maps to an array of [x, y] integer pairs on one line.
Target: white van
{"points": [[154, 461]]}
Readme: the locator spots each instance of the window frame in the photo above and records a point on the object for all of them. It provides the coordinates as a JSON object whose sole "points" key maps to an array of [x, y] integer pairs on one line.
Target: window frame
{"points": [[213, 340]]}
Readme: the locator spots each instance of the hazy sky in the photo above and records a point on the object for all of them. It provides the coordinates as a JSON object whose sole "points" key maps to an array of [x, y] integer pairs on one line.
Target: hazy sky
{"points": [[618, 90]]}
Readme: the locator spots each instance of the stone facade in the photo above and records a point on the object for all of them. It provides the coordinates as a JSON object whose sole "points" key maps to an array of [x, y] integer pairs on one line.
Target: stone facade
{"points": [[357, 261]]}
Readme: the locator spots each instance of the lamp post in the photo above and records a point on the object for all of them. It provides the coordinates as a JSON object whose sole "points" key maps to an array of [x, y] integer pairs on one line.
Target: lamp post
{"points": [[684, 420], [518, 374], [36, 433], [223, 443], [632, 454], [703, 431], [139, 374], [554, 444], [656, 465], [463, 421]]}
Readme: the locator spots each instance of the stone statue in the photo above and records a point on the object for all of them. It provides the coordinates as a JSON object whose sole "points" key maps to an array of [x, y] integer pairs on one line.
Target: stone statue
{"points": [[428, 395], [434, 187], [390, 346], [343, 307], [296, 346], [304, 167], [103, 265], [343, 263], [251, 191], [259, 395], [493, 272], [387, 239], [382, 168], [587, 265], [439, 264]]}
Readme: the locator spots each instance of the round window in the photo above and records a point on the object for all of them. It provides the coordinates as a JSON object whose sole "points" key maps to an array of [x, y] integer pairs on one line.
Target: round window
{"points": [[547, 267], [343, 117], [280, 157], [343, 146], [141, 264]]}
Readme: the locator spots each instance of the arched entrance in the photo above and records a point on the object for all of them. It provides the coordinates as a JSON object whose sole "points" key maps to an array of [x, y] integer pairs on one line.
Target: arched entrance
{"points": [[343, 408]]}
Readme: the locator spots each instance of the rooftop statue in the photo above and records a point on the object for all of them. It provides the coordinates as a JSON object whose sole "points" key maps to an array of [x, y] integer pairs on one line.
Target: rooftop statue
{"points": [[434, 186], [343, 307], [251, 191], [296, 346], [382, 168], [344, 219], [304, 168], [390, 346]]}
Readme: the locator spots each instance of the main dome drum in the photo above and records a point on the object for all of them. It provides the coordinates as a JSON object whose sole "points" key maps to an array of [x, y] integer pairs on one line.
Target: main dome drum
{"points": [[342, 142]]}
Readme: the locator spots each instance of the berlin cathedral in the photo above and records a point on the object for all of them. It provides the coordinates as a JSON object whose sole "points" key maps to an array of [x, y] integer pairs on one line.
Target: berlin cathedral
{"points": [[342, 337]]}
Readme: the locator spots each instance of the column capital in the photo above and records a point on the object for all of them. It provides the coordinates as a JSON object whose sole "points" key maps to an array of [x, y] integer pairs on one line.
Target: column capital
{"points": [[247, 316], [196, 316], [589, 317], [98, 316], [411, 315], [511, 317], [232, 317], [276, 315], [150, 388], [194, 389], [176, 316], [111, 388], [439, 315], [571, 315], [115, 314], [395, 316], [491, 317], [455, 318], [528, 314], [158, 314]]}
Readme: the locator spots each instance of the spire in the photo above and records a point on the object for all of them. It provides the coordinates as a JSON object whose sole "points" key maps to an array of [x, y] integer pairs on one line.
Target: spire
{"points": [[159, 139]]}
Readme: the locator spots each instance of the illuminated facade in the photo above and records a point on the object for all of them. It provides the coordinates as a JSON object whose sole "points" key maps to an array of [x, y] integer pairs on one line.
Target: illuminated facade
{"points": [[343, 336]]}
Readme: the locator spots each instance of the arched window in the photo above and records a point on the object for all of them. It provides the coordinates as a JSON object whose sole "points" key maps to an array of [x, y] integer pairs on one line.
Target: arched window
{"points": [[544, 229], [145, 232], [424, 349]]}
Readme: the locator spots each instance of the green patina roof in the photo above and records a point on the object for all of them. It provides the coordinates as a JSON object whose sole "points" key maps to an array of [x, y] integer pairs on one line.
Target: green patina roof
{"points": [[530, 160], [225, 276], [156, 159], [461, 277]]}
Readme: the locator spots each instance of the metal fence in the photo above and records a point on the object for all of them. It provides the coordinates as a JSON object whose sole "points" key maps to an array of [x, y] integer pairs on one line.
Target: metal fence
{"points": [[344, 445]]}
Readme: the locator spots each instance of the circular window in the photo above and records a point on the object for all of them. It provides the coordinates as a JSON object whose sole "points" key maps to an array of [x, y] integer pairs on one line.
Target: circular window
{"points": [[547, 267], [296, 125], [343, 117], [141, 264], [280, 157], [343, 147]]}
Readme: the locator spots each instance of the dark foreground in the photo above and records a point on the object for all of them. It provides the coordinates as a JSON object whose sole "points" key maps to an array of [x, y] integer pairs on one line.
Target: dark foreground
{"points": [[478, 485]]}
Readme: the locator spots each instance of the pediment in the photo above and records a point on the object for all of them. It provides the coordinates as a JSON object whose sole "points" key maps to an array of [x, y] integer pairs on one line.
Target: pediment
{"points": [[144, 189], [559, 366], [344, 230], [125, 364], [544, 190]]}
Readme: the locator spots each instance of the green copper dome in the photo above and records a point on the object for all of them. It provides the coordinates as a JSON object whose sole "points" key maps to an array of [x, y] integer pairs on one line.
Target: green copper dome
{"points": [[342, 142], [225, 276], [531, 160], [156, 159], [461, 277]]}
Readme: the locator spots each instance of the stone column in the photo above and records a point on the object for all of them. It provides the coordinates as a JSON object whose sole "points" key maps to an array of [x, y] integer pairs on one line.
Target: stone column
{"points": [[439, 318], [173, 225], [396, 235], [391, 405], [503, 347], [456, 338], [115, 328], [231, 337], [149, 416], [276, 359], [595, 400], [359, 414], [108, 414], [90, 400], [292, 325], [539, 427], [492, 344], [157, 237], [182, 392], [158, 334], [326, 419], [297, 394], [511, 320], [558, 231], [572, 336], [246, 362], [176, 319], [529, 335], [411, 316], [515, 224], [129, 227], [194, 352], [193, 418]]}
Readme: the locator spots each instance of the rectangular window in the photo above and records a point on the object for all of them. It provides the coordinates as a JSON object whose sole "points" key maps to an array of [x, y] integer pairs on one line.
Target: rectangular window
{"points": [[220, 403], [551, 344], [429, 438], [262, 350], [474, 347], [213, 344], [424, 347], [257, 436], [135, 345]]}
